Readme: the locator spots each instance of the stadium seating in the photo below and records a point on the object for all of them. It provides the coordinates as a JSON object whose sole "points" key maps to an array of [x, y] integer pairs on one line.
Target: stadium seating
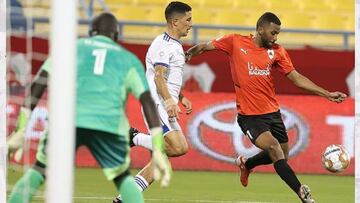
{"points": [[282, 5], [252, 5], [295, 20], [156, 14], [341, 5], [230, 17], [329, 22], [294, 14], [202, 16], [131, 13], [311, 5], [160, 3]]}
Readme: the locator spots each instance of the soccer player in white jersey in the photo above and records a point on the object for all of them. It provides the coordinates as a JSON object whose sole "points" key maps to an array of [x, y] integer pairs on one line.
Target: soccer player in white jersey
{"points": [[165, 62]]}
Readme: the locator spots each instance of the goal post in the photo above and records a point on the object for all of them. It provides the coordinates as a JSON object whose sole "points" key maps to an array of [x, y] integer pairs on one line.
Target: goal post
{"points": [[2, 101], [357, 102], [63, 35]]}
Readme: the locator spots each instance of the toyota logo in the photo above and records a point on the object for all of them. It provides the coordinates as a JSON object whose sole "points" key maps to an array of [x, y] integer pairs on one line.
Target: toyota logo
{"points": [[207, 118]]}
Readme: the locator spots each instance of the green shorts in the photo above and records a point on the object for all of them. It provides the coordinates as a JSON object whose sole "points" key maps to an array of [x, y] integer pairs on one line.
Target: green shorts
{"points": [[111, 151]]}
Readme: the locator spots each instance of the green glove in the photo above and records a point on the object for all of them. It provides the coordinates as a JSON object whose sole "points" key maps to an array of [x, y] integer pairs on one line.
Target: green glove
{"points": [[161, 164], [15, 143]]}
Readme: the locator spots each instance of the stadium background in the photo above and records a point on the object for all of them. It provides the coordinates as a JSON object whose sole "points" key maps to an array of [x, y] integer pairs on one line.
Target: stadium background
{"points": [[319, 35]]}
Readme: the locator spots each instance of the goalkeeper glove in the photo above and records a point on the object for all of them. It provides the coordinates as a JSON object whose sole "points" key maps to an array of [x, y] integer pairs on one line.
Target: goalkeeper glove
{"points": [[160, 162], [15, 143]]}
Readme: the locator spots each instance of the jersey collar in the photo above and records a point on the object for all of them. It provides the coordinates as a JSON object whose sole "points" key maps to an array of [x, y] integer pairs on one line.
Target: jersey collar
{"points": [[167, 35], [104, 38]]}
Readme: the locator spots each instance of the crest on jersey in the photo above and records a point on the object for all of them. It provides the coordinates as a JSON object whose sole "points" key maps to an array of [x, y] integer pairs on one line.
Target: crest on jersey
{"points": [[271, 53]]}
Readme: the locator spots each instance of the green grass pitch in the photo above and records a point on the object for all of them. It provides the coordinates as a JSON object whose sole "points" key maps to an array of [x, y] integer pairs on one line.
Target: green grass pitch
{"points": [[209, 187]]}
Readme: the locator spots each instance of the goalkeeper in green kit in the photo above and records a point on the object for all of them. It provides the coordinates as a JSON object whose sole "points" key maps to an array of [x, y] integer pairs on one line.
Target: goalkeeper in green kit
{"points": [[106, 73]]}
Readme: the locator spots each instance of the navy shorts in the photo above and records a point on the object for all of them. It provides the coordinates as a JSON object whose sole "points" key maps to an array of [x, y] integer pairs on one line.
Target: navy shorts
{"points": [[253, 125]]}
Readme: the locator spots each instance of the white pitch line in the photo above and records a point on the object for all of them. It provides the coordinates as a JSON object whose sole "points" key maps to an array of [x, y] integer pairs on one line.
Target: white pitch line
{"points": [[170, 200], [206, 201]]}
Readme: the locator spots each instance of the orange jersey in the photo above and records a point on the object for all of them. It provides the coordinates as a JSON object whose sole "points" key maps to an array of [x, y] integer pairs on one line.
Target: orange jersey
{"points": [[251, 68]]}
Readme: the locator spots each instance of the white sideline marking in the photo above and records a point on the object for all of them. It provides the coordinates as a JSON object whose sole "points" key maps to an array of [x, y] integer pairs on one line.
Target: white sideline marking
{"points": [[169, 200]]}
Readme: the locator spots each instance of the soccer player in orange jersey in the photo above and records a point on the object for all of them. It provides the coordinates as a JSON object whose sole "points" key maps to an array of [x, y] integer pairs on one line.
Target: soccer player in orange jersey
{"points": [[252, 60]]}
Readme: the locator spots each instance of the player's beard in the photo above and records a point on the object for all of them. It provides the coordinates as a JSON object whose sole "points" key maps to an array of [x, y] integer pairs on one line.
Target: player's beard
{"points": [[266, 43]]}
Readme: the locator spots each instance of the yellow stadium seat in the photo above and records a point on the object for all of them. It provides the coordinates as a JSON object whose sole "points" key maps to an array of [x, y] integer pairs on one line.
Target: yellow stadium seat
{"points": [[295, 20], [131, 13], [328, 40], [329, 22], [35, 3], [202, 16], [253, 16], [156, 14], [349, 22], [294, 39], [120, 2], [140, 31], [36, 12], [206, 17], [282, 6], [242, 32], [231, 17], [152, 3], [192, 3], [218, 4], [252, 4], [342, 5], [312, 5], [208, 34]]}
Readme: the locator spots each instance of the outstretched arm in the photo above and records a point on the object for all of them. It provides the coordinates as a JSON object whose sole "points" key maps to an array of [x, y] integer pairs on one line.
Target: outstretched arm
{"points": [[16, 139], [306, 84], [199, 49], [38, 87]]}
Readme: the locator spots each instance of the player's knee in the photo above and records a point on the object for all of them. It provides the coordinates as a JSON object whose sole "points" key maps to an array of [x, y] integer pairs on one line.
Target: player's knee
{"points": [[275, 152], [286, 156], [178, 150]]}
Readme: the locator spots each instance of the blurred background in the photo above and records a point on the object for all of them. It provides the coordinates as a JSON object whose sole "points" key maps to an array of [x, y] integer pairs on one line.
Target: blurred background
{"points": [[318, 23], [320, 39]]}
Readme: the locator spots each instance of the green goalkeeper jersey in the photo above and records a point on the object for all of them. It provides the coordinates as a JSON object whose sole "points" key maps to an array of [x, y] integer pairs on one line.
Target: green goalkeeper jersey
{"points": [[106, 73]]}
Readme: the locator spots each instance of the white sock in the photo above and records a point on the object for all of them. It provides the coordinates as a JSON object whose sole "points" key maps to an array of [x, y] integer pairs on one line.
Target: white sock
{"points": [[141, 182], [144, 140]]}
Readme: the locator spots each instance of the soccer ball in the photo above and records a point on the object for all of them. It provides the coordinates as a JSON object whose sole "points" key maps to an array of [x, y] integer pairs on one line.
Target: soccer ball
{"points": [[335, 158]]}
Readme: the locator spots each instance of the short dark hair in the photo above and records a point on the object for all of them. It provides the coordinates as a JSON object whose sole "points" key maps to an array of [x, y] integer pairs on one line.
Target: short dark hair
{"points": [[267, 18], [176, 7], [104, 24]]}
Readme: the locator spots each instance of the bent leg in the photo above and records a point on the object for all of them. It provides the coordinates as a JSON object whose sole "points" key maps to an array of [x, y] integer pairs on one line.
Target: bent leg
{"points": [[175, 143], [268, 143], [128, 189], [285, 149], [26, 187], [263, 158]]}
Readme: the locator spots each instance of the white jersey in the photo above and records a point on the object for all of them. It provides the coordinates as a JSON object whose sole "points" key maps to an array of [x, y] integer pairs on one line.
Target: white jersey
{"points": [[168, 52]]}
